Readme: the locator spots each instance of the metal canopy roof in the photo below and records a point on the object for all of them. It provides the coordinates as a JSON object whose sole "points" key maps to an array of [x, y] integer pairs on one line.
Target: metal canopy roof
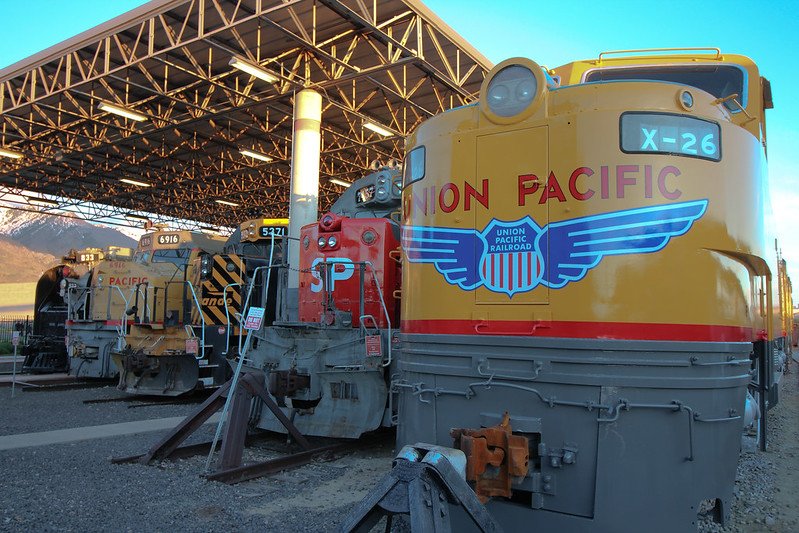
{"points": [[391, 62]]}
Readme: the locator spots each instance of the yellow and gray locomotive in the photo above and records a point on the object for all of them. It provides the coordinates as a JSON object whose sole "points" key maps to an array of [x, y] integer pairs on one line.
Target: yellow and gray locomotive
{"points": [[98, 302], [588, 272], [160, 350], [184, 325]]}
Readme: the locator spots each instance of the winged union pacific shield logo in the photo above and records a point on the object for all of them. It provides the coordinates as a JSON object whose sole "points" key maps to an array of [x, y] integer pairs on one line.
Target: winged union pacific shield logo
{"points": [[513, 257]]}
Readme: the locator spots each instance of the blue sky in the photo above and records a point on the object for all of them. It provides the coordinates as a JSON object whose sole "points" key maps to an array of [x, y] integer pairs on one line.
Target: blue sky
{"points": [[552, 33]]}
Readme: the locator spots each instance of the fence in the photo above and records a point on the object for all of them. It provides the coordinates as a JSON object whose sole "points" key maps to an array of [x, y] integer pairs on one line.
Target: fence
{"points": [[7, 323]]}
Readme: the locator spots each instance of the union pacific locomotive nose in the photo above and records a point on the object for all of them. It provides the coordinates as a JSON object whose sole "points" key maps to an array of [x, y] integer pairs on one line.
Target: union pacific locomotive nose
{"points": [[546, 235]]}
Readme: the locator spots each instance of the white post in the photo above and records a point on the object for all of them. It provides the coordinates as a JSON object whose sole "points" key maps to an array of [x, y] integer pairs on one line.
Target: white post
{"points": [[15, 342], [304, 206]]}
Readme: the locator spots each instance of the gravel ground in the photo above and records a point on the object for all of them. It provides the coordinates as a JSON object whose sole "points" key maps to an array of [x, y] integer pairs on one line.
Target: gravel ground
{"points": [[49, 410], [766, 484], [75, 487]]}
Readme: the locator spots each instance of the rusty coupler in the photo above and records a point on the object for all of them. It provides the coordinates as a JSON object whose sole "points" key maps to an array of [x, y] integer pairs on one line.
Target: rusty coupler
{"points": [[494, 456]]}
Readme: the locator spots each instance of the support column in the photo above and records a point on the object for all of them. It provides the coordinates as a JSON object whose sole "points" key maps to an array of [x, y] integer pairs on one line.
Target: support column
{"points": [[304, 206]]}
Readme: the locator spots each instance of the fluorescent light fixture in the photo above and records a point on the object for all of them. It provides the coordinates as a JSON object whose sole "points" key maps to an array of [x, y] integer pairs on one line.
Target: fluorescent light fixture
{"points": [[135, 182], [209, 229], [256, 155], [121, 111], [340, 182], [380, 130], [41, 201], [252, 70], [137, 217], [10, 153], [225, 202]]}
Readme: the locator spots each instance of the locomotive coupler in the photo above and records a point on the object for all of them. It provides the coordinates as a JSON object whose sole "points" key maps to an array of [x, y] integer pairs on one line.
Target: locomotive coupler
{"points": [[494, 458], [286, 382], [137, 361]]}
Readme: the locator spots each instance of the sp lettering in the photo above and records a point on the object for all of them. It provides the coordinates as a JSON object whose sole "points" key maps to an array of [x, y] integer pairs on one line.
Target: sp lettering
{"points": [[331, 269]]}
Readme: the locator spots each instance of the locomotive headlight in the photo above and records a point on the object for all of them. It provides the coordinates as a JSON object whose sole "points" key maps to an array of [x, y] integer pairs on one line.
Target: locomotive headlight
{"points": [[369, 237], [332, 242], [381, 194], [321, 242], [512, 91]]}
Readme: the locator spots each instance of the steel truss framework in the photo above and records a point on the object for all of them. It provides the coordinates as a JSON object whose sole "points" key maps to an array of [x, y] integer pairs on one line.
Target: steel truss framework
{"points": [[391, 62]]}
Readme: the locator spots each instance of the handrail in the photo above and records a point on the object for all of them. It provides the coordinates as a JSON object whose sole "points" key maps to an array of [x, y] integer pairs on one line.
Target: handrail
{"points": [[252, 285], [227, 316], [201, 352], [137, 289], [385, 310], [73, 291], [332, 264], [639, 50], [124, 331]]}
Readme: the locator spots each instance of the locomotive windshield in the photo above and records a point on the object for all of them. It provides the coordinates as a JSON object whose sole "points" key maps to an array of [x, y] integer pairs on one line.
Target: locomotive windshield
{"points": [[365, 194], [718, 80], [176, 257]]}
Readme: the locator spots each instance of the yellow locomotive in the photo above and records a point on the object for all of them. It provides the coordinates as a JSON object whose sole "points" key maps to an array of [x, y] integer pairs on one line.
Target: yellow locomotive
{"points": [[98, 302], [185, 322], [588, 273]]}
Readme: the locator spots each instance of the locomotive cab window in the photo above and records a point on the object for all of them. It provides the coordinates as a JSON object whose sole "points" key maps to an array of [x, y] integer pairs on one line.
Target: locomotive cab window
{"points": [[414, 166], [365, 194], [719, 80], [176, 257], [141, 257]]}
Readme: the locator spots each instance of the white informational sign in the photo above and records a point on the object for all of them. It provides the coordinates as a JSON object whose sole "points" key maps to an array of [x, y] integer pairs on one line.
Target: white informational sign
{"points": [[255, 317], [193, 345], [15, 338]]}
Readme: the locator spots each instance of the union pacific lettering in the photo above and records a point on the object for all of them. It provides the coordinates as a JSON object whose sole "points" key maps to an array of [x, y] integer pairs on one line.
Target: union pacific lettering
{"points": [[126, 281], [584, 183]]}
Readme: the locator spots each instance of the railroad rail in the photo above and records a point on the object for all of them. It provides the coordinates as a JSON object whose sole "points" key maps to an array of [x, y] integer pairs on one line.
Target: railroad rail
{"points": [[231, 476]]}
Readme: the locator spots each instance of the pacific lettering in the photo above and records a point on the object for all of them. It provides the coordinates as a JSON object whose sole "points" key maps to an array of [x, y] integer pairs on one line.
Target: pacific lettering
{"points": [[582, 184], [126, 281], [552, 190]]}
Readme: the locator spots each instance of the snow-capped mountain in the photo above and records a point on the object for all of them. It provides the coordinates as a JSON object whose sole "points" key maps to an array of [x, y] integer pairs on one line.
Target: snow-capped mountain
{"points": [[55, 235]]}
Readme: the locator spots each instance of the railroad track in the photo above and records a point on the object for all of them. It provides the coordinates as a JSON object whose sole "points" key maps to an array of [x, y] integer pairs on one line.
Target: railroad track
{"points": [[325, 451], [44, 386], [147, 401]]}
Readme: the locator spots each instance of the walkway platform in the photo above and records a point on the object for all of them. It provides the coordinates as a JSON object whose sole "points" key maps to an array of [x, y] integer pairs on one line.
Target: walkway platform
{"points": [[62, 436], [36, 379]]}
